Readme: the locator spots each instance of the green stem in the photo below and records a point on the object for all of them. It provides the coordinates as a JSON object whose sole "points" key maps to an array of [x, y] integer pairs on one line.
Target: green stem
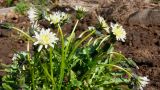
{"points": [[111, 54], [94, 63], [31, 68], [50, 59], [120, 68], [48, 75], [74, 49], [61, 76], [111, 65], [28, 37], [110, 58], [118, 54], [83, 33], [71, 37], [34, 88], [75, 27]]}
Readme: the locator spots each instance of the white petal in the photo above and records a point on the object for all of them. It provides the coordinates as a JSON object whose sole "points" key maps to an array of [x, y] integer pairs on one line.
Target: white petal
{"points": [[48, 30], [141, 88], [46, 46], [51, 45], [36, 43], [40, 47]]}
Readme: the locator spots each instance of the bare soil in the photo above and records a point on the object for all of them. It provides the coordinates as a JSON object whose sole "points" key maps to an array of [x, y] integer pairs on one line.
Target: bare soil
{"points": [[143, 37]]}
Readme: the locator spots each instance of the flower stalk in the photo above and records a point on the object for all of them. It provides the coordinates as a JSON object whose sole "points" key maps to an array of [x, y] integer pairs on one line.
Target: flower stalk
{"points": [[31, 66], [61, 76], [51, 63], [25, 34], [71, 37]]}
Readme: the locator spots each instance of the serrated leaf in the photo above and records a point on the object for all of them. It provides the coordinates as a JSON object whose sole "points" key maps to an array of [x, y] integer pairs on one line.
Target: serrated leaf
{"points": [[132, 63]]}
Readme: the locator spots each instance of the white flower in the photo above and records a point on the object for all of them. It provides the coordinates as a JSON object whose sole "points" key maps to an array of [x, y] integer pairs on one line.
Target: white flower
{"points": [[17, 55], [45, 38], [57, 17], [23, 53], [103, 24], [143, 81], [36, 26], [47, 18], [32, 14], [119, 32], [80, 8], [91, 28], [64, 16]]}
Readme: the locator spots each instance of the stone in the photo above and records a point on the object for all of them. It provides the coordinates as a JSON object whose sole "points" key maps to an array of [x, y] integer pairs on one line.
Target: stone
{"points": [[145, 17], [90, 5], [4, 11]]}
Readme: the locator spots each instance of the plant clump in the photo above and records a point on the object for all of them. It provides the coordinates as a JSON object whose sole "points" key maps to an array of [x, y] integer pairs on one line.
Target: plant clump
{"points": [[58, 61]]}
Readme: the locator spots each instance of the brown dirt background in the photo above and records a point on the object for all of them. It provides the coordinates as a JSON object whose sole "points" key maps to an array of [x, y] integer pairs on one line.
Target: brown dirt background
{"points": [[143, 37]]}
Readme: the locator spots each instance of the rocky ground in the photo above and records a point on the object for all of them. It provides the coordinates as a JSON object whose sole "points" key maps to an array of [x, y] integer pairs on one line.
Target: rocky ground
{"points": [[141, 21], [139, 18]]}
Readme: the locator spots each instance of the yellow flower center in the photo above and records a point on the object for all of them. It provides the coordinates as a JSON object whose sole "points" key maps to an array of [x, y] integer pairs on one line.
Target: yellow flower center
{"points": [[118, 32], [45, 39]]}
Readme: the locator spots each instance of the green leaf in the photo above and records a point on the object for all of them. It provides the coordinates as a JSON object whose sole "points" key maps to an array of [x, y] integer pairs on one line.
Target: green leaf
{"points": [[44, 87], [115, 81], [118, 58], [6, 87], [110, 49], [104, 39], [71, 37], [6, 26], [74, 80], [132, 63]]}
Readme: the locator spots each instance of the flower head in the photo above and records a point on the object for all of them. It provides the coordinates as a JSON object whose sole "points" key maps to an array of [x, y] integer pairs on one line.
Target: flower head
{"points": [[142, 82], [80, 12], [80, 8], [54, 18], [32, 14], [35, 26], [119, 32], [64, 16], [91, 28], [45, 38], [103, 24], [57, 17], [15, 57], [18, 55]]}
